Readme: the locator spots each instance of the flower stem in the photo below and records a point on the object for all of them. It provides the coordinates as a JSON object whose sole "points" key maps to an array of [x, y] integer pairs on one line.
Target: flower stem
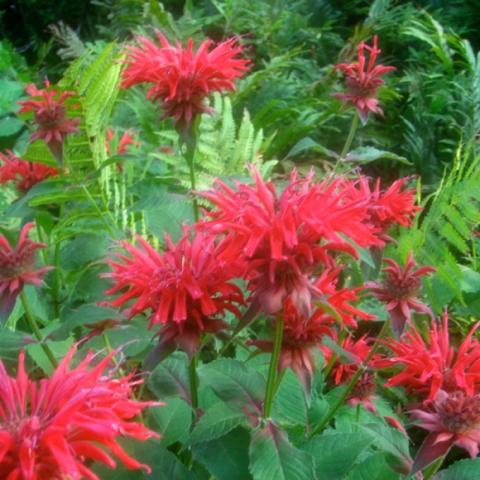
{"points": [[432, 469], [189, 139], [272, 384], [36, 331], [192, 376], [351, 136], [351, 384]]}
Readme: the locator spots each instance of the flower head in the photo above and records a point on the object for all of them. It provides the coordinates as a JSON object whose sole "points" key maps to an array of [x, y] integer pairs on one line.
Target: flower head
{"points": [[125, 141], [452, 419], [182, 78], [400, 290], [363, 80], [48, 105], [54, 428], [433, 365], [17, 268], [287, 238], [186, 288], [24, 174]]}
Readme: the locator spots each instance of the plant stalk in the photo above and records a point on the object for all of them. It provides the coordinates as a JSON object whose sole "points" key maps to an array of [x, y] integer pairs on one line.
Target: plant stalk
{"points": [[272, 384], [36, 331], [189, 139], [192, 376], [351, 136], [351, 384]]}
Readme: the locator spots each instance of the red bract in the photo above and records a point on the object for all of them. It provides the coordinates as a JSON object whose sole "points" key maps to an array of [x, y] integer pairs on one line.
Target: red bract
{"points": [[452, 419], [363, 80], [48, 106], [428, 366], [399, 291], [17, 268], [24, 174], [182, 78], [185, 288], [54, 428], [125, 140], [286, 237]]}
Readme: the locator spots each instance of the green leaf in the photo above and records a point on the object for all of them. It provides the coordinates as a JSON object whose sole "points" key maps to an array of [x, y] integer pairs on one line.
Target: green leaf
{"points": [[234, 382], [370, 154], [289, 404], [173, 420], [216, 422], [373, 467], [38, 152], [335, 453], [11, 343], [10, 126], [468, 469], [273, 457], [226, 458], [37, 354], [170, 378]]}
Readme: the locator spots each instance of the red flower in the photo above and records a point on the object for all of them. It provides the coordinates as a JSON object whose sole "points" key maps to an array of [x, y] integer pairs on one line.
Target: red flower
{"points": [[288, 237], [17, 267], [185, 288], [125, 140], [453, 419], [182, 78], [54, 428], [400, 290], [24, 174], [48, 106], [363, 80], [394, 206], [433, 365]]}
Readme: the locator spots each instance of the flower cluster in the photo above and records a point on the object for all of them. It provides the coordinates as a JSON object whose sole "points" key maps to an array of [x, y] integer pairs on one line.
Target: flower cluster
{"points": [[23, 174], [54, 428], [17, 268], [50, 112], [363, 80], [182, 78]]}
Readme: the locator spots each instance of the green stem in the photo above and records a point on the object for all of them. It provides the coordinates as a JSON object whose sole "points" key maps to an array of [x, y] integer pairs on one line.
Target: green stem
{"points": [[100, 213], [189, 139], [351, 136], [432, 469], [351, 384], [36, 331], [192, 376], [273, 369], [58, 280]]}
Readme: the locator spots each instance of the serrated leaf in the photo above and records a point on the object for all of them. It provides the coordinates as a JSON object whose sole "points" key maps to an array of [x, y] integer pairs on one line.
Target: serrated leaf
{"points": [[170, 378], [335, 454], [10, 126], [273, 457], [234, 382], [370, 154], [289, 404], [226, 458], [173, 420], [216, 422], [373, 467]]}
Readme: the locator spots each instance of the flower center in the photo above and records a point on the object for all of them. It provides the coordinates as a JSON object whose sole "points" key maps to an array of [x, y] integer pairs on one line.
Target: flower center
{"points": [[460, 413], [14, 265], [402, 288]]}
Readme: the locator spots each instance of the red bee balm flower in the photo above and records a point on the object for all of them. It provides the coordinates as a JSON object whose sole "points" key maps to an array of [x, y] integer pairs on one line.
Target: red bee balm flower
{"points": [[17, 268], [286, 237], [435, 364], [24, 174], [453, 419], [182, 78], [399, 291], [48, 106], [363, 80], [186, 287], [54, 428]]}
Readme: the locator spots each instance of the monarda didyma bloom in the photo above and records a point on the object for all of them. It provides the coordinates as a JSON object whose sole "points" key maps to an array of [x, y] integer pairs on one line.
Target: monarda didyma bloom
{"points": [[53, 125], [17, 268], [186, 289], [180, 77], [53, 429], [399, 291], [363, 80], [23, 174]]}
